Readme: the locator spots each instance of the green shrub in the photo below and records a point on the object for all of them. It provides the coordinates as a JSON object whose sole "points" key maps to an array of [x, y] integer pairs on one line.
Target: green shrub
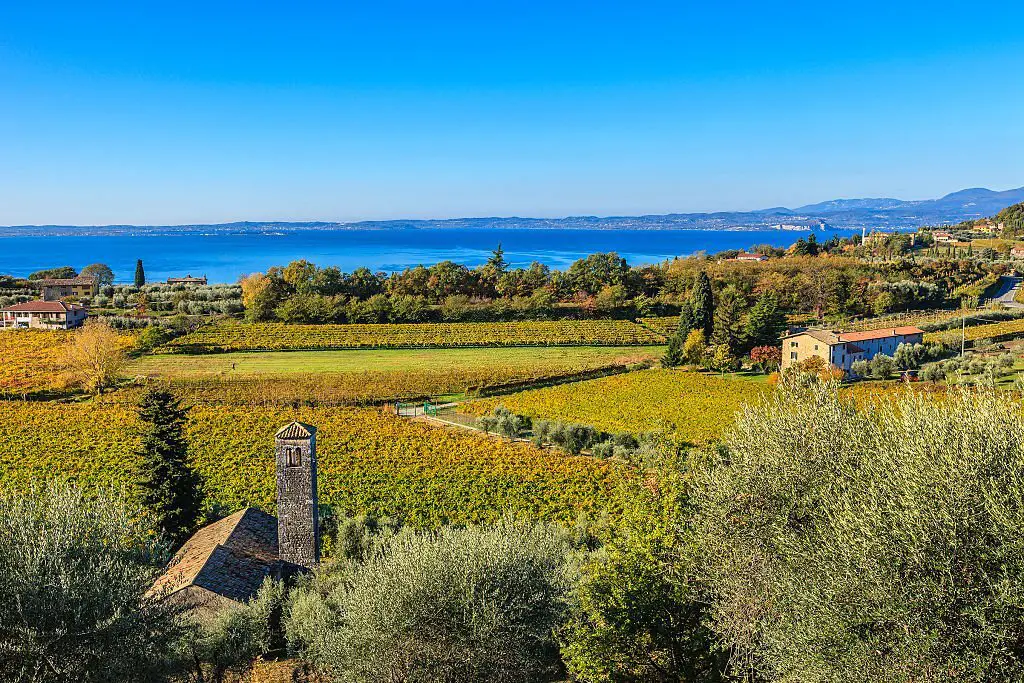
{"points": [[74, 572], [458, 605], [879, 544]]}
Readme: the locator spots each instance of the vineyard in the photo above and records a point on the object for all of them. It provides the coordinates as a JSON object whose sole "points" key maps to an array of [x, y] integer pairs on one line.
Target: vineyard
{"points": [[31, 360], [1001, 331], [229, 336], [693, 407], [369, 461]]}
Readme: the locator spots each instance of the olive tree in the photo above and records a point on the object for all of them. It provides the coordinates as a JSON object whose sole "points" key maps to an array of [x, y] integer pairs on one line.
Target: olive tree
{"points": [[452, 606], [879, 542], [638, 613], [74, 575]]}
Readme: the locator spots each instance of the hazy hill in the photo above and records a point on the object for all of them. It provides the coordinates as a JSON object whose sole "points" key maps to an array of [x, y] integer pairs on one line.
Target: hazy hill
{"points": [[882, 213]]}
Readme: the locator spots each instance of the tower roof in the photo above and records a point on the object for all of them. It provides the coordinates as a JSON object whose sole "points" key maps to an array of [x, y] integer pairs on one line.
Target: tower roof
{"points": [[229, 557], [295, 430]]}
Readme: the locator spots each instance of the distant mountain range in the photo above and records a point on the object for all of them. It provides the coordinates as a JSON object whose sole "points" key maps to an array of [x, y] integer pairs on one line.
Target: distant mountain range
{"points": [[882, 213]]}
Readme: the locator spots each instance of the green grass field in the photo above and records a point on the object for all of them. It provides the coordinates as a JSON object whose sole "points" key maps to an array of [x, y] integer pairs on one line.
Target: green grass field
{"points": [[287, 362]]}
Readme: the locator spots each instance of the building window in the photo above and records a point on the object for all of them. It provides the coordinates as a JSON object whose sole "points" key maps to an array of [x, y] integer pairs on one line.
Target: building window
{"points": [[793, 344], [815, 347], [294, 457], [792, 355]]}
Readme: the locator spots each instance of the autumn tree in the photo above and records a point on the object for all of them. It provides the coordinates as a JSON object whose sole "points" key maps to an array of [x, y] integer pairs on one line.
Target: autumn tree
{"points": [[95, 356], [695, 347], [257, 297]]}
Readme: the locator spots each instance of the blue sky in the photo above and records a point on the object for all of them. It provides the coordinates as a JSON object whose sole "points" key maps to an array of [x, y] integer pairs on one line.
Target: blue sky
{"points": [[208, 112]]}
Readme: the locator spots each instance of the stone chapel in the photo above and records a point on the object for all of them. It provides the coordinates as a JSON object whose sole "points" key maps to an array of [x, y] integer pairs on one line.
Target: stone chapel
{"points": [[224, 563]]}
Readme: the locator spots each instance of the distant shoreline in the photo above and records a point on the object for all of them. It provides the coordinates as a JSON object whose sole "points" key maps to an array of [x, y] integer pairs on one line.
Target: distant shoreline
{"points": [[838, 214]]}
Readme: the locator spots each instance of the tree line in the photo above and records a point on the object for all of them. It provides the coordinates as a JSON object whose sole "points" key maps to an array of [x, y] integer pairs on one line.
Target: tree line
{"points": [[810, 281]]}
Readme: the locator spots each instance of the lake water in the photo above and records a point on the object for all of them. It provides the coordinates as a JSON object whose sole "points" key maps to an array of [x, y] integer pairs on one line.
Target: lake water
{"points": [[225, 257]]}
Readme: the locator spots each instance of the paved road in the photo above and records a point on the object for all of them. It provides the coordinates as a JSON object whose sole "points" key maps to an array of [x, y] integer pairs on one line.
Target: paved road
{"points": [[1008, 287]]}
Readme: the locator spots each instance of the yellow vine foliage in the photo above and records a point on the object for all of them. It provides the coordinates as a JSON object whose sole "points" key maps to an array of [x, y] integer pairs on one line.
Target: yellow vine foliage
{"points": [[31, 360], [36, 360], [690, 406], [369, 461]]}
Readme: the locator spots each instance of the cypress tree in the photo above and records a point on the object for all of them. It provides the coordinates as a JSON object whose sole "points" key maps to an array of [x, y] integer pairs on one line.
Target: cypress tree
{"points": [[674, 353], [728, 329], [765, 322], [686, 319], [170, 488], [140, 274], [702, 300]]}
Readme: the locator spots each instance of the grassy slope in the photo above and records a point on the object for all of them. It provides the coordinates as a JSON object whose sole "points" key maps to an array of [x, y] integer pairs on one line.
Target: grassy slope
{"points": [[285, 362]]}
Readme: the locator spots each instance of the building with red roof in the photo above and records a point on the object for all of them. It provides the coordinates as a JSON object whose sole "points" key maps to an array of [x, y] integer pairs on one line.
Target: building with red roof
{"points": [[843, 349], [45, 315]]}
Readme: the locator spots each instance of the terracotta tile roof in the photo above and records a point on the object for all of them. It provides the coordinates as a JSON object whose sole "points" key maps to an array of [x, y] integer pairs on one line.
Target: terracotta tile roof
{"points": [[295, 430], [880, 333], [834, 338], [821, 335], [41, 307], [230, 557], [56, 282]]}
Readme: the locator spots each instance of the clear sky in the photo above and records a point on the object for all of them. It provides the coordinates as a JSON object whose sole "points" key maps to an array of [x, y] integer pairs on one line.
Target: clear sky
{"points": [[179, 112]]}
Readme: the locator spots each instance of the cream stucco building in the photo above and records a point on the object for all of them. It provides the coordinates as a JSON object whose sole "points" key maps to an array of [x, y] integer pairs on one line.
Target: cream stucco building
{"points": [[843, 349]]}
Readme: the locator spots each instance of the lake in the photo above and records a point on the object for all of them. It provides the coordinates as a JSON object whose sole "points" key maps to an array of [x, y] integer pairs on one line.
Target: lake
{"points": [[225, 257]]}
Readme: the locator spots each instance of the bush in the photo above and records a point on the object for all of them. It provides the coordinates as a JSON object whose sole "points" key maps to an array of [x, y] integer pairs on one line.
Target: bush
{"points": [[638, 612], [459, 605], [882, 366], [227, 642], [886, 541], [74, 572]]}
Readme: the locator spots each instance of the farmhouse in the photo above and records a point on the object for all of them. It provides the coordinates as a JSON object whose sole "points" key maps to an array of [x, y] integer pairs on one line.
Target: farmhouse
{"points": [[743, 256], [46, 315], [843, 349], [81, 286], [1017, 252], [225, 563], [187, 280]]}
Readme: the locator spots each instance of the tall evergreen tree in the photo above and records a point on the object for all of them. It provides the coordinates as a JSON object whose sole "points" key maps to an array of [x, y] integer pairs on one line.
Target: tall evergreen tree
{"points": [[687, 321], [765, 322], [140, 274], [702, 300], [674, 353], [497, 260], [728, 323], [170, 488]]}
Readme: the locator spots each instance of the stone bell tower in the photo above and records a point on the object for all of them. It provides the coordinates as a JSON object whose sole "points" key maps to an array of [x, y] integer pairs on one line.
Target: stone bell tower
{"points": [[298, 525]]}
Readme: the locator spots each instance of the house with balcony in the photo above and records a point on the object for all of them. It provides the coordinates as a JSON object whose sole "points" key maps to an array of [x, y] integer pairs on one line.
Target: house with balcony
{"points": [[43, 315]]}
